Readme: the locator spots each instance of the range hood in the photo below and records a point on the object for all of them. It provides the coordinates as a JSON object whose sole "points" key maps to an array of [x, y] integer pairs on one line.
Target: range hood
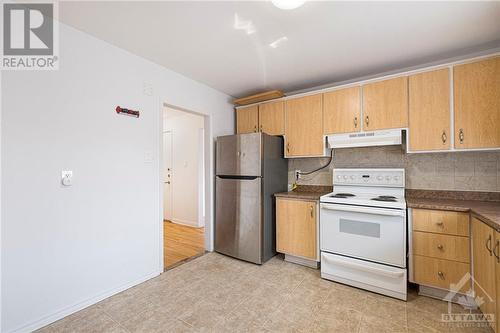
{"points": [[365, 139]]}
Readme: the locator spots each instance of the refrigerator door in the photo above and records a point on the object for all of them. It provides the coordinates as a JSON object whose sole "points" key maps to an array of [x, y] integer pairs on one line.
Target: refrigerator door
{"points": [[239, 155], [238, 218]]}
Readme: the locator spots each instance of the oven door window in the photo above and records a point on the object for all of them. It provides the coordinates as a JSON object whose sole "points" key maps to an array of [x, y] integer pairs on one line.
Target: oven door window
{"points": [[360, 228]]}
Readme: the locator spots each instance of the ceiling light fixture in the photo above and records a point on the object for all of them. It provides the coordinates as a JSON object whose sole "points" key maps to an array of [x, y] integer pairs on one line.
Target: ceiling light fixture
{"points": [[288, 4]]}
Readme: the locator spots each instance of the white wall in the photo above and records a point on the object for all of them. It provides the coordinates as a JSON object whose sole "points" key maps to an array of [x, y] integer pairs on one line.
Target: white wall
{"points": [[65, 248], [187, 165]]}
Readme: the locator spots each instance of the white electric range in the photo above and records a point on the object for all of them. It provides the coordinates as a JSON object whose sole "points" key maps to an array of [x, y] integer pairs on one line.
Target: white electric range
{"points": [[363, 230]]}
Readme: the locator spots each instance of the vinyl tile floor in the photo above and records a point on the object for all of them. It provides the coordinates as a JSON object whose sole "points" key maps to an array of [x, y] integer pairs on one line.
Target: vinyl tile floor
{"points": [[215, 293]]}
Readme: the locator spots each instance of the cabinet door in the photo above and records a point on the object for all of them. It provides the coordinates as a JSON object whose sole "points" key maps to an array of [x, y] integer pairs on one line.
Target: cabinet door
{"points": [[247, 119], [304, 126], [484, 265], [429, 115], [272, 118], [296, 228], [385, 104], [342, 111], [477, 104]]}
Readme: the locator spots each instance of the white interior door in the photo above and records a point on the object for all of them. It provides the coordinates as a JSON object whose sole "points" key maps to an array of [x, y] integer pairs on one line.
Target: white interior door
{"points": [[167, 175]]}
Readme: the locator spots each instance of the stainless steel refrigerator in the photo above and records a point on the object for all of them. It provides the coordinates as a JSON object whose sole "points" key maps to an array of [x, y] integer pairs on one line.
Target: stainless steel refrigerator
{"points": [[250, 168]]}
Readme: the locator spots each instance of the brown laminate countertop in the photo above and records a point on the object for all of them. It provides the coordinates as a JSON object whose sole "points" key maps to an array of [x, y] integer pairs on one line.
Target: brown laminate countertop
{"points": [[486, 211], [305, 192]]}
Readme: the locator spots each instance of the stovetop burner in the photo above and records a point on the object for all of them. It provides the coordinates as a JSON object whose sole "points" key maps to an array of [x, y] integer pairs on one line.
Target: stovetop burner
{"points": [[343, 195], [387, 198]]}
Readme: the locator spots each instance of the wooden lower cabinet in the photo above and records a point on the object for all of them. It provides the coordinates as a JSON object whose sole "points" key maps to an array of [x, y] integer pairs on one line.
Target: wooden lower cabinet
{"points": [[297, 228], [446, 247], [485, 270], [440, 273], [442, 222], [440, 248]]}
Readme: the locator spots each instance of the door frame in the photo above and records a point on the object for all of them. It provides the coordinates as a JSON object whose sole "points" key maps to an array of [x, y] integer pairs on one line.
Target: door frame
{"points": [[209, 170], [171, 203]]}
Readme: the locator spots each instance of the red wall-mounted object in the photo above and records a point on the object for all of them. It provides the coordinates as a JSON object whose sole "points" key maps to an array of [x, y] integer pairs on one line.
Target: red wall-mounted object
{"points": [[127, 112]]}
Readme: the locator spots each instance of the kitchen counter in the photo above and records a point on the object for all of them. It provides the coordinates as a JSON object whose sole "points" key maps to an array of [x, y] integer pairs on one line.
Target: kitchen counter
{"points": [[486, 211], [305, 192]]}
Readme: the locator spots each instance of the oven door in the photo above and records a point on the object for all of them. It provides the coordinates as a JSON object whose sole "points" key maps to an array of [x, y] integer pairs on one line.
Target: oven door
{"points": [[370, 233]]}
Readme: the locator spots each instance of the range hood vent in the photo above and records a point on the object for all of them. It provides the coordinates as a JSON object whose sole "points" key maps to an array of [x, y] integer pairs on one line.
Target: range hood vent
{"points": [[365, 139]]}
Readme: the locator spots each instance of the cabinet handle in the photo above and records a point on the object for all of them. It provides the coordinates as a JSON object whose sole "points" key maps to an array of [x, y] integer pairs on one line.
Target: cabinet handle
{"points": [[439, 224], [261, 127], [440, 247], [367, 121], [312, 211], [461, 135], [443, 137], [355, 122], [489, 247], [441, 275], [255, 128], [496, 251], [288, 147]]}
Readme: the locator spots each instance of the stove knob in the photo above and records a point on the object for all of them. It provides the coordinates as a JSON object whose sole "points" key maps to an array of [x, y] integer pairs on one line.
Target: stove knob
{"points": [[345, 177], [380, 177], [352, 177], [338, 177], [396, 178], [387, 177]]}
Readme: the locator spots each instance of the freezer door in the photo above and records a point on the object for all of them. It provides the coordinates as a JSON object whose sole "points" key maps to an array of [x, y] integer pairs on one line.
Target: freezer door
{"points": [[239, 155], [238, 218]]}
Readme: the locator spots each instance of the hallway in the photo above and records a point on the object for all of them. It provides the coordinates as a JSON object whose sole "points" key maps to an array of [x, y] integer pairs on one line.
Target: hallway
{"points": [[181, 243]]}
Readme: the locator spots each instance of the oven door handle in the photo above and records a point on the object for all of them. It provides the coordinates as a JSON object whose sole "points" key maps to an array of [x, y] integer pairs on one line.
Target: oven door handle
{"points": [[366, 210], [364, 268]]}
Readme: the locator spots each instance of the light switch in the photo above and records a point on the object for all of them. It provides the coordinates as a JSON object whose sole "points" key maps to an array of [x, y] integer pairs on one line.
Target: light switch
{"points": [[67, 178]]}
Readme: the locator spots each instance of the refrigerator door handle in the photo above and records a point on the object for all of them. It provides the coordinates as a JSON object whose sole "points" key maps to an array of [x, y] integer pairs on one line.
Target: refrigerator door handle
{"points": [[239, 177]]}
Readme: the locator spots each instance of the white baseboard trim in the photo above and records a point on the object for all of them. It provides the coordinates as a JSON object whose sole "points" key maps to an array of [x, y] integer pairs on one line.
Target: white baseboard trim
{"points": [[80, 306], [185, 222]]}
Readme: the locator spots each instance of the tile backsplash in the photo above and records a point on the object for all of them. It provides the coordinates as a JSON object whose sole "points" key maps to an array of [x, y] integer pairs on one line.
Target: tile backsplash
{"points": [[464, 171]]}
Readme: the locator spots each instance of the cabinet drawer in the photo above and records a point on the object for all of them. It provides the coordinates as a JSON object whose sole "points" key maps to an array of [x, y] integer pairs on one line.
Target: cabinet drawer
{"points": [[442, 222], [439, 273], [441, 246]]}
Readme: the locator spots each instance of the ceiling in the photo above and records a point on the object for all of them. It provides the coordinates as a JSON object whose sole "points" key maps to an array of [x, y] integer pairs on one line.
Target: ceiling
{"points": [[226, 45]]}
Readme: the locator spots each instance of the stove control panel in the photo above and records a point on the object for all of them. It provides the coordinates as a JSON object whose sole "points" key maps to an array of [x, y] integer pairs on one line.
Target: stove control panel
{"points": [[369, 177]]}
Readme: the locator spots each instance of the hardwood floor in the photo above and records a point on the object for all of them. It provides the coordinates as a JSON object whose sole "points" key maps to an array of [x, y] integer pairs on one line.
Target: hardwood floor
{"points": [[181, 243]]}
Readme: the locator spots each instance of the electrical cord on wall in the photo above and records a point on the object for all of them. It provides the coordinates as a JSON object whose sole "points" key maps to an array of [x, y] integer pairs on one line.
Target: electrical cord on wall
{"points": [[301, 173]]}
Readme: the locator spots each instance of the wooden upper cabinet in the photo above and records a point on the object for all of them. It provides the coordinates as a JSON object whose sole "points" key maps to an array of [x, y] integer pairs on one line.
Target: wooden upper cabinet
{"points": [[342, 111], [477, 104], [272, 118], [385, 104], [483, 242], [247, 119], [429, 115], [304, 126], [296, 228]]}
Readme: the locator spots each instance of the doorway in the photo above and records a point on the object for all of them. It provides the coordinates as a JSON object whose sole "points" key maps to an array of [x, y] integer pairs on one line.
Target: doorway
{"points": [[183, 186]]}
